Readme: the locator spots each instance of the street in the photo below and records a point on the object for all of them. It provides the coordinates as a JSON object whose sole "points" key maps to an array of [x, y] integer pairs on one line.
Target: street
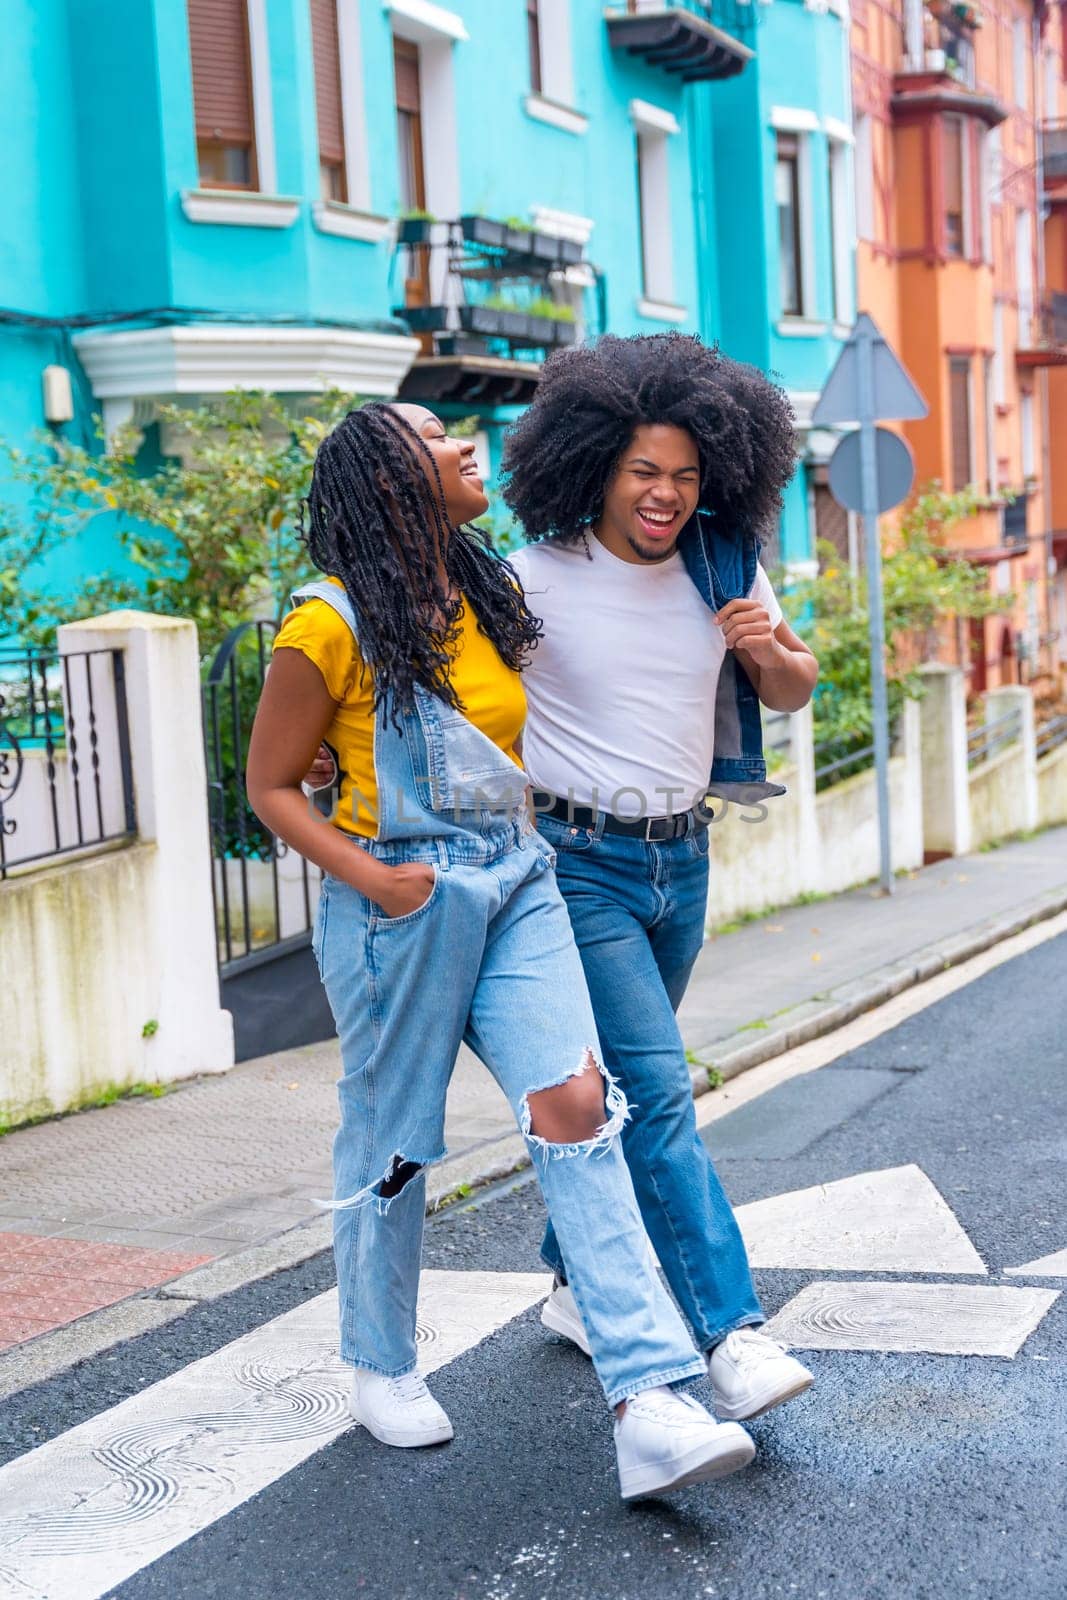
{"points": [[900, 1474]]}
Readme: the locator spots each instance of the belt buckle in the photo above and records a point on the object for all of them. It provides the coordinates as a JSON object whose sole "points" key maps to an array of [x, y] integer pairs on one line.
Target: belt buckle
{"points": [[650, 823]]}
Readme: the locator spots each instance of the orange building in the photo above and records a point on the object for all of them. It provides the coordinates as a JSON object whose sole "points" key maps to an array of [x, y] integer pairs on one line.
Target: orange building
{"points": [[959, 139]]}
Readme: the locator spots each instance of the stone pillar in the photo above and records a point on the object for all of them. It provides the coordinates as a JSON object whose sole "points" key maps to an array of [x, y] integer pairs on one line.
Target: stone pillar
{"points": [[1000, 703], [946, 799], [193, 1034]]}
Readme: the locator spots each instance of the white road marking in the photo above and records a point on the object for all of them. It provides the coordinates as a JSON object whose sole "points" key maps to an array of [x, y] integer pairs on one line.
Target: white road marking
{"points": [[946, 1319], [890, 1221], [818, 1053], [88, 1509], [1053, 1266]]}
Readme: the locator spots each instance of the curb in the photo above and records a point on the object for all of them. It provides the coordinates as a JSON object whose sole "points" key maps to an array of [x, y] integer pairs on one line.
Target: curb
{"points": [[500, 1158], [813, 1018]]}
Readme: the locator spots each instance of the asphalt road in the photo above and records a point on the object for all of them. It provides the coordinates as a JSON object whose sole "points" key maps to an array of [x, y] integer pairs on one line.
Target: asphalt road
{"points": [[899, 1475]]}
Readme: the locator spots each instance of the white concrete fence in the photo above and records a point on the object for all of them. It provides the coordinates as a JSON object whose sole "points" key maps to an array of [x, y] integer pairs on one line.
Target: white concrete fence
{"points": [[109, 956]]}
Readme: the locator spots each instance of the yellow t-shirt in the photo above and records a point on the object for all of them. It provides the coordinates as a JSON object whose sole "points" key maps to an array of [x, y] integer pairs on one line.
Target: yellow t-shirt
{"points": [[490, 695]]}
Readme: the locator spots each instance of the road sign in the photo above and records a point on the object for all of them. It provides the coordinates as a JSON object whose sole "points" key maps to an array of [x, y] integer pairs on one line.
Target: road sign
{"points": [[869, 385], [894, 464], [894, 397]]}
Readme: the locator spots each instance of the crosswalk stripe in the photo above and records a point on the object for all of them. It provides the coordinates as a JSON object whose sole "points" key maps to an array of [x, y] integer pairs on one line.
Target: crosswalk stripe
{"points": [[88, 1509]]}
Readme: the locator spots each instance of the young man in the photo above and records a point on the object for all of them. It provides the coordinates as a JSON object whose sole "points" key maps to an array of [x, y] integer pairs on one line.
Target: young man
{"points": [[644, 473], [660, 631]]}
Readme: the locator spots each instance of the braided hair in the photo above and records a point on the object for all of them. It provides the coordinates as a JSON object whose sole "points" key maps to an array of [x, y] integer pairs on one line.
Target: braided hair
{"points": [[560, 455], [375, 520]]}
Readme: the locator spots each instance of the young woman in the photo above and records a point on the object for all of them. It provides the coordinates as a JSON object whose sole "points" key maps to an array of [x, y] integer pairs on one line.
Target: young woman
{"points": [[440, 921]]}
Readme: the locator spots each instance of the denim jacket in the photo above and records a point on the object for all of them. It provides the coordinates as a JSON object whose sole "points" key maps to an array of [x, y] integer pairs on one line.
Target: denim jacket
{"points": [[723, 567]]}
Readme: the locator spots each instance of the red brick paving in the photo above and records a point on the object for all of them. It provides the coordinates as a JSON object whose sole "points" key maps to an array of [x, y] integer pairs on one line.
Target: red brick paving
{"points": [[46, 1283]]}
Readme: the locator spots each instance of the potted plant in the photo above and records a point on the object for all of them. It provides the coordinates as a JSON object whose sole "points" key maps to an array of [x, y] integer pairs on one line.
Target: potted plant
{"points": [[414, 227], [552, 323], [496, 318], [423, 319], [481, 230]]}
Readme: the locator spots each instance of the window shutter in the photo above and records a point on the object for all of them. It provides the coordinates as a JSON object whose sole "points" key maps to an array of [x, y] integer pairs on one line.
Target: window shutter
{"points": [[960, 419], [222, 71], [327, 52]]}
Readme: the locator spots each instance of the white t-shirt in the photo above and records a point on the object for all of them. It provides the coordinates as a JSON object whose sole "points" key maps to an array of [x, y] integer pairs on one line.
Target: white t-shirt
{"points": [[621, 688]]}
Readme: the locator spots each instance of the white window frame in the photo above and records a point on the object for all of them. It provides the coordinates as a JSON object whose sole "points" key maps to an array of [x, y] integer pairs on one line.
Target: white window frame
{"points": [[353, 219], [1027, 435], [864, 170], [436, 32], [839, 142], [1000, 370], [654, 127], [988, 165], [1024, 275], [803, 123], [554, 103], [262, 97], [988, 381]]}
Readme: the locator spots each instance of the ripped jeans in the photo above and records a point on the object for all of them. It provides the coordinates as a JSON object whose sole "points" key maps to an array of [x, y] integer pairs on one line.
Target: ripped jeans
{"points": [[490, 959]]}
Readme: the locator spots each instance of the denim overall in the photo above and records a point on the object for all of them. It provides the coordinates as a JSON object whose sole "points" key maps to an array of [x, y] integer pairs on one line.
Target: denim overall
{"points": [[489, 959]]}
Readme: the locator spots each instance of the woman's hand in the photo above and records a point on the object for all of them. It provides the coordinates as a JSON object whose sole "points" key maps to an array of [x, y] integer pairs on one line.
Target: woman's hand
{"points": [[322, 771], [402, 890]]}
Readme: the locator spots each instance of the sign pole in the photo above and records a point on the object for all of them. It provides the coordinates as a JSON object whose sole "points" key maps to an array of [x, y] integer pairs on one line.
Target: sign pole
{"points": [[876, 618]]}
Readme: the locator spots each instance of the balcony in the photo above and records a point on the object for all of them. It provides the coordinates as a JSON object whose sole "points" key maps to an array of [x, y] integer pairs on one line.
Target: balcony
{"points": [[1044, 343], [696, 39], [939, 72], [487, 299], [1013, 534], [1054, 162]]}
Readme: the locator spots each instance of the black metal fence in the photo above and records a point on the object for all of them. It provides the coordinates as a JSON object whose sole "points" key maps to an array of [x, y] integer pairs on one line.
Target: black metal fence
{"points": [[257, 904], [66, 780]]}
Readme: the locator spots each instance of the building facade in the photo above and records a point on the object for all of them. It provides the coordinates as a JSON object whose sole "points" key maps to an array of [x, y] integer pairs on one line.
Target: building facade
{"points": [[963, 264], [208, 194]]}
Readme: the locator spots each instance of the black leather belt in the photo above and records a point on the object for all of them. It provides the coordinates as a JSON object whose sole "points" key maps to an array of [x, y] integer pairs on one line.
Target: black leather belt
{"points": [[651, 829]]}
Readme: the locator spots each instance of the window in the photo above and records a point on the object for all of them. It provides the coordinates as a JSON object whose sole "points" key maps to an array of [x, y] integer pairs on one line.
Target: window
{"points": [[412, 159], [787, 201], [959, 378], [990, 425], [955, 187], [222, 93], [653, 130], [1026, 428], [1024, 275], [1000, 392], [533, 41], [326, 49]]}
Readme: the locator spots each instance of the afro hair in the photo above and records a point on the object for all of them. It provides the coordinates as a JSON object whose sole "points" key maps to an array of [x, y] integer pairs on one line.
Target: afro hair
{"points": [[560, 455]]}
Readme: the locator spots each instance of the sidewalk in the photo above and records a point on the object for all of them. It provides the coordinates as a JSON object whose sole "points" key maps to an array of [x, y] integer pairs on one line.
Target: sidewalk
{"points": [[95, 1208]]}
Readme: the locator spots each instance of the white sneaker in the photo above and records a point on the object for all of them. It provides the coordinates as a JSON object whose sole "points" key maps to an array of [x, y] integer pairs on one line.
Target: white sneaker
{"points": [[560, 1314], [665, 1441], [398, 1411], [750, 1374]]}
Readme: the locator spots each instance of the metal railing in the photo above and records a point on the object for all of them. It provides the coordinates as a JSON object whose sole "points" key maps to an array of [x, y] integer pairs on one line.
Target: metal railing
{"points": [[66, 777], [847, 757], [989, 738], [265, 895], [1050, 736], [1054, 149]]}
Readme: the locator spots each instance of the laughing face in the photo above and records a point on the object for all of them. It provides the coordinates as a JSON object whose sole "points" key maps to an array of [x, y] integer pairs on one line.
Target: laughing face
{"points": [[461, 480], [652, 495]]}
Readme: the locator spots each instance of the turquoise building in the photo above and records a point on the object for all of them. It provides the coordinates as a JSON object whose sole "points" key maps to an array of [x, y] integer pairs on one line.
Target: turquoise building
{"points": [[203, 194]]}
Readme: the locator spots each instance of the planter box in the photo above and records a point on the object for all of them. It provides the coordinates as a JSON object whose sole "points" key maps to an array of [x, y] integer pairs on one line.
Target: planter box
{"points": [[496, 324], [414, 230], [550, 332], [480, 230], [423, 319]]}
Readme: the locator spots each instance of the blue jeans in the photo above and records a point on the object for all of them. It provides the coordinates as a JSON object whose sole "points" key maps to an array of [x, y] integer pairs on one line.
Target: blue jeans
{"points": [[489, 958], [638, 912]]}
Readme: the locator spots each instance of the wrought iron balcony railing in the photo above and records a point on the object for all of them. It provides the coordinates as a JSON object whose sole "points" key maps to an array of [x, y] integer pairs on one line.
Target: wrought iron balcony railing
{"points": [[697, 39], [1046, 345], [1054, 142]]}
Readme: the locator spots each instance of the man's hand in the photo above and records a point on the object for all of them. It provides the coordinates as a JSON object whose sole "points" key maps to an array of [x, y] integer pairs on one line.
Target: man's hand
{"points": [[746, 626], [322, 771], [401, 890]]}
